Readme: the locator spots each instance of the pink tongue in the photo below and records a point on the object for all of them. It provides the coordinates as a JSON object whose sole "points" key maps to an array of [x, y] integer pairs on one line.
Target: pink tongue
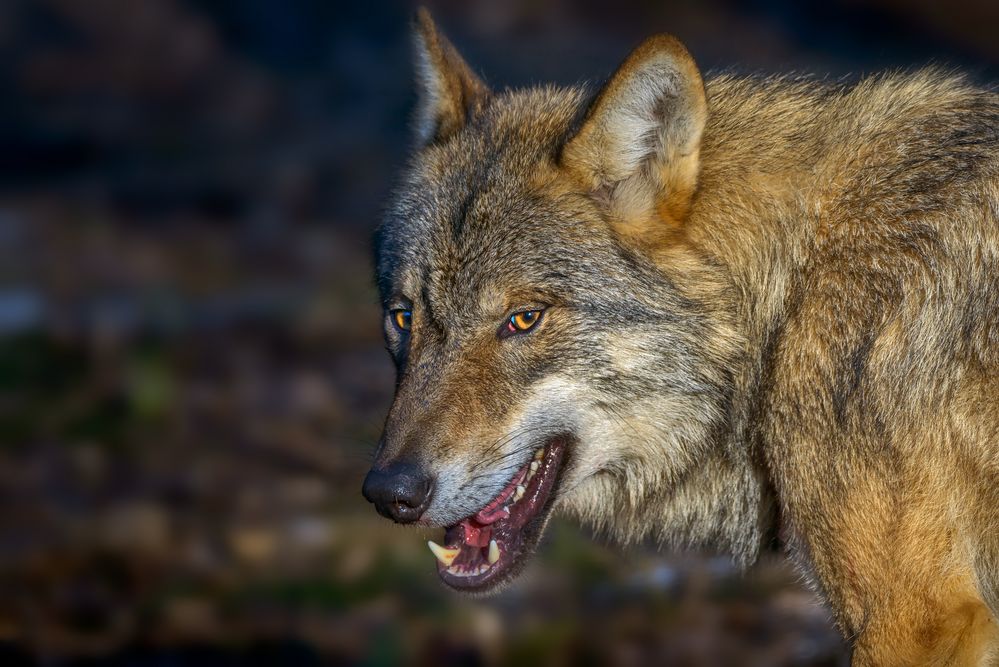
{"points": [[474, 534], [495, 509], [487, 516], [475, 530]]}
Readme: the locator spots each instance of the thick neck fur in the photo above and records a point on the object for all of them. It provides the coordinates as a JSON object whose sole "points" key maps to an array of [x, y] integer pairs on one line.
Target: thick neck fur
{"points": [[785, 160], [766, 193]]}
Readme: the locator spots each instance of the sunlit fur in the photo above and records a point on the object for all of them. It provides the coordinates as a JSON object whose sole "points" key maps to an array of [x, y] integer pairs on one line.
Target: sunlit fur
{"points": [[772, 306]]}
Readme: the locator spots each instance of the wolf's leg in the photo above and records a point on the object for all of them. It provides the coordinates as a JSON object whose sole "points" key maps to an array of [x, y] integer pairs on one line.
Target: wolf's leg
{"points": [[901, 576], [954, 633]]}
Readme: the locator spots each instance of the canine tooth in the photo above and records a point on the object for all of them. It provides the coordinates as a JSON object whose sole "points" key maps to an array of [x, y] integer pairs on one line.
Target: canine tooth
{"points": [[519, 493], [538, 455], [443, 554], [493, 552]]}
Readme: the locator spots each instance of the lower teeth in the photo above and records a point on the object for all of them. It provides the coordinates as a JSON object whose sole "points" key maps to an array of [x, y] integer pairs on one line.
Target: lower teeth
{"points": [[466, 572]]}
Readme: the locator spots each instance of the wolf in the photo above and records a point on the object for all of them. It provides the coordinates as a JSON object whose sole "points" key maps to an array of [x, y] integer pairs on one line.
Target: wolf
{"points": [[725, 311]]}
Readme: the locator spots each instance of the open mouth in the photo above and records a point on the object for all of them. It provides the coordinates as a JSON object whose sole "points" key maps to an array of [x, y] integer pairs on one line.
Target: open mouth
{"points": [[487, 548]]}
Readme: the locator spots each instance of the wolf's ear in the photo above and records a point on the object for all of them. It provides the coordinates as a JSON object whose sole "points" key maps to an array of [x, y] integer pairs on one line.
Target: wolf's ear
{"points": [[638, 145], [448, 91]]}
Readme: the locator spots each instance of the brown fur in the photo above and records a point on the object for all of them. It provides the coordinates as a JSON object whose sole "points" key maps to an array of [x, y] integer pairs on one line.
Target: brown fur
{"points": [[834, 255], [879, 305]]}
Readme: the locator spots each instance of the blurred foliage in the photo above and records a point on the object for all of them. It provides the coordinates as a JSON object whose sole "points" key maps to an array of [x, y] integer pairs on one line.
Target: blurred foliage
{"points": [[192, 377]]}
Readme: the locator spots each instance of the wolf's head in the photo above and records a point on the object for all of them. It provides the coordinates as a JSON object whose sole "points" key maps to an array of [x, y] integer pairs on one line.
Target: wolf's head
{"points": [[530, 271]]}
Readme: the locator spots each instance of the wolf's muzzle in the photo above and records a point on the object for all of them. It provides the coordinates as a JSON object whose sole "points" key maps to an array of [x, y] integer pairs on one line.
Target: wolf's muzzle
{"points": [[400, 492]]}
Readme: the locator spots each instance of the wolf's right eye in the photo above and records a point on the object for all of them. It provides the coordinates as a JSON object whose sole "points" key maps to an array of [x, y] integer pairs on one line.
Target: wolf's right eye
{"points": [[402, 318], [521, 322]]}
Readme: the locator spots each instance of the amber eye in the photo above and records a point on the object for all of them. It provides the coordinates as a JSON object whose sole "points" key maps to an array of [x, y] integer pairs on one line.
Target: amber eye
{"points": [[402, 318], [523, 321]]}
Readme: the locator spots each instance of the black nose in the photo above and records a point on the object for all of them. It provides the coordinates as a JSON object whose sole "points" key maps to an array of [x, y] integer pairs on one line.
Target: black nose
{"points": [[400, 492]]}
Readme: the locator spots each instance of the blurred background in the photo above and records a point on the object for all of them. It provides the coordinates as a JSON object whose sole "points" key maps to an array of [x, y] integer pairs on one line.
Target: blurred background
{"points": [[192, 377]]}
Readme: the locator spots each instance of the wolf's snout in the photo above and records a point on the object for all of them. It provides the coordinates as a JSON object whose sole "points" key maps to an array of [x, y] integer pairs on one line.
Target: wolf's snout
{"points": [[400, 492]]}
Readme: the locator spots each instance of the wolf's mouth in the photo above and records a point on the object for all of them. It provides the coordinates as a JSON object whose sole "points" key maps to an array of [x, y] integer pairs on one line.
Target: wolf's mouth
{"points": [[489, 548]]}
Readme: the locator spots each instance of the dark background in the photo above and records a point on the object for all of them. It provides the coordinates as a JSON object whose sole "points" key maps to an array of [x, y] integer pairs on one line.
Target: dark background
{"points": [[191, 369]]}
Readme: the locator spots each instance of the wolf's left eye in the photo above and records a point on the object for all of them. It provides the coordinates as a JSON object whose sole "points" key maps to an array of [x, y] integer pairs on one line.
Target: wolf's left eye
{"points": [[522, 322], [402, 318]]}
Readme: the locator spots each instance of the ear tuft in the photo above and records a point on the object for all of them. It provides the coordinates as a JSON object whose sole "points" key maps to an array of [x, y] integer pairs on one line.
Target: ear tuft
{"points": [[449, 93], [638, 146]]}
